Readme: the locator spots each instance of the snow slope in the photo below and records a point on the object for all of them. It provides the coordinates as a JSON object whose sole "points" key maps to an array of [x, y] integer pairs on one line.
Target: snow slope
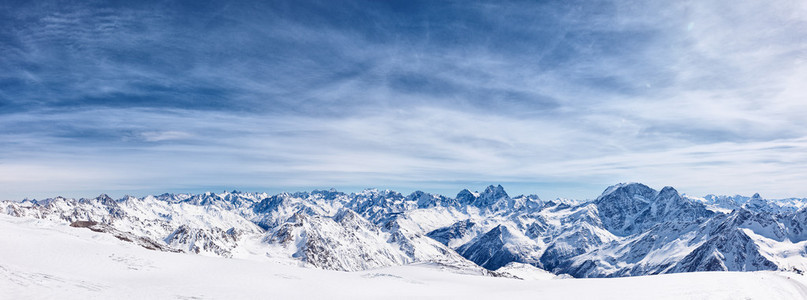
{"points": [[41, 259]]}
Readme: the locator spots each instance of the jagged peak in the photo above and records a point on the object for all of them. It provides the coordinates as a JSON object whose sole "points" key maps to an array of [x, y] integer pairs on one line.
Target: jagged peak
{"points": [[636, 193], [500, 230], [465, 196], [668, 192], [168, 197], [345, 214], [350, 218], [296, 218], [376, 193], [329, 194], [496, 191], [756, 201], [416, 195], [270, 203], [489, 197], [623, 186], [465, 192], [424, 200], [102, 198], [532, 196]]}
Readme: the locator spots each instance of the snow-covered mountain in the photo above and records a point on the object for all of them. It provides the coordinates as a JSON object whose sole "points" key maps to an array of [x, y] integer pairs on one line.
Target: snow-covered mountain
{"points": [[631, 229], [755, 203], [41, 259]]}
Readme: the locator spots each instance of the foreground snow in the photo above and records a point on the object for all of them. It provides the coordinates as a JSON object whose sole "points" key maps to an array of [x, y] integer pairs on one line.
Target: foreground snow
{"points": [[41, 259]]}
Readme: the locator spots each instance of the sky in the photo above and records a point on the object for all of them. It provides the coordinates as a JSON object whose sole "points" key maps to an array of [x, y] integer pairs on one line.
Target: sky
{"points": [[554, 98]]}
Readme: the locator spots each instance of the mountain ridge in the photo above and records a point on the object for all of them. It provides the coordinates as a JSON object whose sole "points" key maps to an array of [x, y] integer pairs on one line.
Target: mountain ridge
{"points": [[630, 229]]}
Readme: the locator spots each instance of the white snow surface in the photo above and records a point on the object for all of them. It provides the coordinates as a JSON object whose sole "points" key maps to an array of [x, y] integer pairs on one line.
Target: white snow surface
{"points": [[42, 259], [527, 272]]}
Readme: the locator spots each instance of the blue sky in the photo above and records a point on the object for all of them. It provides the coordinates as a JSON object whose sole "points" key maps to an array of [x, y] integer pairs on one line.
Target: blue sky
{"points": [[555, 98]]}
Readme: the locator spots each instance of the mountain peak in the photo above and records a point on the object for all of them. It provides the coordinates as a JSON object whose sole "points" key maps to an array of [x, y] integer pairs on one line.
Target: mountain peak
{"points": [[668, 192], [343, 213], [498, 189], [465, 197], [495, 192], [297, 218], [500, 230], [619, 203], [105, 199], [626, 187], [416, 195], [491, 196], [633, 190]]}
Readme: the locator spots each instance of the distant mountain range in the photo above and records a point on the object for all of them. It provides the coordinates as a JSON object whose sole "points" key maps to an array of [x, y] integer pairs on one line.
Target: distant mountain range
{"points": [[631, 229]]}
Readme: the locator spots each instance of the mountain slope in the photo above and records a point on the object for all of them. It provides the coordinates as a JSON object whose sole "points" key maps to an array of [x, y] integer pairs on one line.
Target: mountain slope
{"points": [[631, 229], [40, 259]]}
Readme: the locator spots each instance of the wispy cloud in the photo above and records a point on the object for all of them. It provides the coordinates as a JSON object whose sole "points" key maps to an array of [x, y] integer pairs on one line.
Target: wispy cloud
{"points": [[278, 96]]}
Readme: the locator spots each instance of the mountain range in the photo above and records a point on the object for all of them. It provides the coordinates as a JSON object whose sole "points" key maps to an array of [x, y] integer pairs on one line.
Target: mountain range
{"points": [[630, 229]]}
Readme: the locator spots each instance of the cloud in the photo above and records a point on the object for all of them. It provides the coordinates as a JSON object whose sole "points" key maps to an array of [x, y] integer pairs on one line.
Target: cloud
{"points": [[158, 136], [563, 97]]}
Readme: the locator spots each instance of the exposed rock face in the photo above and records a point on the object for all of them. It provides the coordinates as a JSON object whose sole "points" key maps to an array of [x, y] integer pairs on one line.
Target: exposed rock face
{"points": [[489, 250], [620, 204], [456, 230]]}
